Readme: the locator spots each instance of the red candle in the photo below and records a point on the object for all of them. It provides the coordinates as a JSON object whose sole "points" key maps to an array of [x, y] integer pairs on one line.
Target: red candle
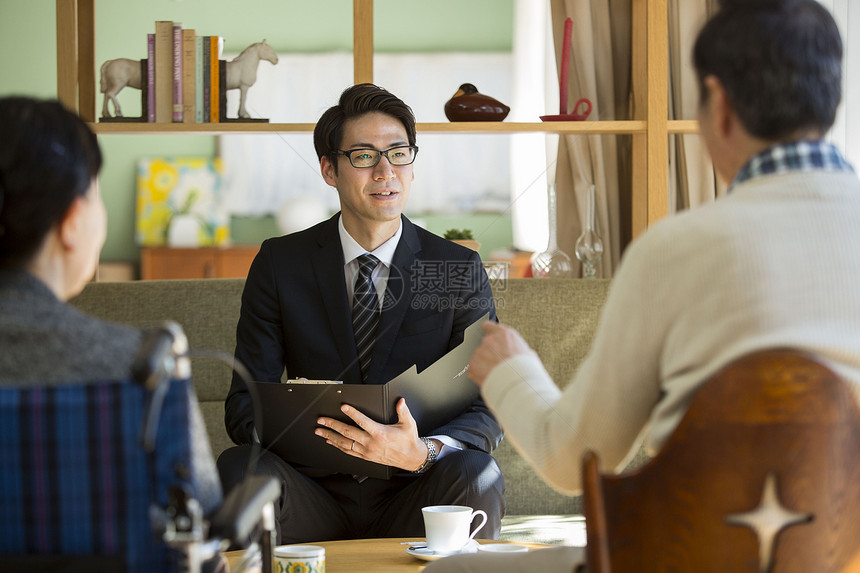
{"points": [[565, 62]]}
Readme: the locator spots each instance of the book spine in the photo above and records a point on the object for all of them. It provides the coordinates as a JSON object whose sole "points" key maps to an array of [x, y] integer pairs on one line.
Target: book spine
{"points": [[150, 78], [177, 72], [144, 90], [163, 72], [198, 79], [188, 75], [213, 82], [222, 91], [207, 71]]}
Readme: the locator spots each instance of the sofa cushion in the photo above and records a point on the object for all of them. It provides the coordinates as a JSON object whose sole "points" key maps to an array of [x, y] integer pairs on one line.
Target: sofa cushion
{"points": [[557, 317], [207, 310]]}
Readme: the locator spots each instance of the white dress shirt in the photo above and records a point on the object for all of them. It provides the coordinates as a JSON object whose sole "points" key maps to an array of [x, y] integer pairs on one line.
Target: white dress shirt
{"points": [[385, 253]]}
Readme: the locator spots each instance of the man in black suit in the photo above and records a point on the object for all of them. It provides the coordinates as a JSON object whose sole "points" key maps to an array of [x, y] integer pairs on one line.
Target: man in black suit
{"points": [[305, 308]]}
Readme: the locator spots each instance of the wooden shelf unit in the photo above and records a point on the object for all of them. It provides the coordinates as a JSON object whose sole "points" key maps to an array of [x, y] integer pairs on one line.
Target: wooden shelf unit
{"points": [[649, 127], [584, 127]]}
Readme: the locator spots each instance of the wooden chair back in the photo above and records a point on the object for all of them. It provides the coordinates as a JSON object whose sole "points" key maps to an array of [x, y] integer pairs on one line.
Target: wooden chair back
{"points": [[762, 474]]}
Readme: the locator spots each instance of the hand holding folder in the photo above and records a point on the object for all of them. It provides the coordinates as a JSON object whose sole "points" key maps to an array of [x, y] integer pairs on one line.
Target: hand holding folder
{"points": [[434, 396], [394, 444]]}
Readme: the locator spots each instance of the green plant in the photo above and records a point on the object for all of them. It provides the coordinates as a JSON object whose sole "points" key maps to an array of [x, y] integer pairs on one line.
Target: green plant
{"points": [[454, 234], [190, 199]]}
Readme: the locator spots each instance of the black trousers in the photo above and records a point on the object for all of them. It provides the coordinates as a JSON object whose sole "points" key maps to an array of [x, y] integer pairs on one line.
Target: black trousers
{"points": [[339, 507]]}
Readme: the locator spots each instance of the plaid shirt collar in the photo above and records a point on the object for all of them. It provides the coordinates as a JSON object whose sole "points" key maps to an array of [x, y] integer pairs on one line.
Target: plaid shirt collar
{"points": [[794, 156]]}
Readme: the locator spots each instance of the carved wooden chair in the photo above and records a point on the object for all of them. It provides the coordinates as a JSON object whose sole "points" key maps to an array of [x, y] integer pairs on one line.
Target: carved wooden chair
{"points": [[762, 474]]}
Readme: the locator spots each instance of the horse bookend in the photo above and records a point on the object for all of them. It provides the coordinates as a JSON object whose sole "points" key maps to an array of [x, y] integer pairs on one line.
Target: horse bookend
{"points": [[242, 71], [115, 75]]}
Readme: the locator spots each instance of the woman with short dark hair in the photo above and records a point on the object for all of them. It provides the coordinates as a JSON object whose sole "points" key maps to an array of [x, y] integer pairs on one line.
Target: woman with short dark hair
{"points": [[52, 227]]}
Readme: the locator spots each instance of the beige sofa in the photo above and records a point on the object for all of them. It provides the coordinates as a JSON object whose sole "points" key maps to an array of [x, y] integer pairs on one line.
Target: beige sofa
{"points": [[556, 316]]}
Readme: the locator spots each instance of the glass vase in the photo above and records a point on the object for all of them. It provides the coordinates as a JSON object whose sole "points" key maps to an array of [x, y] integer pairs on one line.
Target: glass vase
{"points": [[553, 262], [589, 246]]}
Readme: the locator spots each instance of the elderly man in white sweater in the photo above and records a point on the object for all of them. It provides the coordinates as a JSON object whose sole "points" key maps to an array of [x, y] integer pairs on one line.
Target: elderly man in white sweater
{"points": [[776, 262]]}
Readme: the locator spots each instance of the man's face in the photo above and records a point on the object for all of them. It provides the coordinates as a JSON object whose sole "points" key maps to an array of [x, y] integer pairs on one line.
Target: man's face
{"points": [[371, 194], [712, 119], [705, 127]]}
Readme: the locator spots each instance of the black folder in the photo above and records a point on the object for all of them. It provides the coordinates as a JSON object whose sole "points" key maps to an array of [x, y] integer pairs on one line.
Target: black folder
{"points": [[436, 395]]}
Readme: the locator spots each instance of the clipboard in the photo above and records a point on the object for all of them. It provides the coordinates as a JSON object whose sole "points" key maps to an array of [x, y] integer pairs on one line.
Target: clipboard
{"points": [[436, 395]]}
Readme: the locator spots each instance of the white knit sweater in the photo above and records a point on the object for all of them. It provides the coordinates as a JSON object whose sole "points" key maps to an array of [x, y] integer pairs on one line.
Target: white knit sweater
{"points": [[775, 263]]}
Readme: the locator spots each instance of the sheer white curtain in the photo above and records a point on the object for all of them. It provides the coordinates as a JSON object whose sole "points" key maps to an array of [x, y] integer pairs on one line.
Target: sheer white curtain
{"points": [[846, 131], [459, 173], [533, 155], [262, 171], [691, 176], [454, 173]]}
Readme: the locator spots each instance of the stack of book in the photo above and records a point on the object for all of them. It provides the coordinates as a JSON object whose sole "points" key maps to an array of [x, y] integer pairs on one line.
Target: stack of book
{"points": [[185, 77]]}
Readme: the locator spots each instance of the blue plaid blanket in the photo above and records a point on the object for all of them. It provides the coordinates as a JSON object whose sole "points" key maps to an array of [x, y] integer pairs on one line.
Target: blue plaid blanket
{"points": [[75, 479]]}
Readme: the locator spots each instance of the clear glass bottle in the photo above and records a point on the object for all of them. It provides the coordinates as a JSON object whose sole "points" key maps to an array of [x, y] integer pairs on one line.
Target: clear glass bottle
{"points": [[553, 262], [589, 246]]}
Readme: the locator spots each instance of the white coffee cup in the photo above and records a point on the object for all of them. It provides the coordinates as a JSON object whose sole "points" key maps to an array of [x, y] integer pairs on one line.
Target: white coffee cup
{"points": [[447, 526]]}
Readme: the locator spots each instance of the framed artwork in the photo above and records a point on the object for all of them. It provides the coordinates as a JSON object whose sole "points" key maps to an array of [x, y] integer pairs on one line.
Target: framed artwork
{"points": [[179, 202]]}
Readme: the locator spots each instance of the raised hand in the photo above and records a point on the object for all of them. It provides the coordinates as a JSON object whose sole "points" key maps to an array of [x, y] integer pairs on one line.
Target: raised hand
{"points": [[500, 343]]}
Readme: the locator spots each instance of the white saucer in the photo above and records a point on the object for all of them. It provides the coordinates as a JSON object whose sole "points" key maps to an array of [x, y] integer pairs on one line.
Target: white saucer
{"points": [[503, 548], [425, 554]]}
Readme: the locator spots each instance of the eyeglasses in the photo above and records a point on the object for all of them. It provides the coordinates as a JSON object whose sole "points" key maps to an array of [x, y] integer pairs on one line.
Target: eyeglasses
{"points": [[397, 156]]}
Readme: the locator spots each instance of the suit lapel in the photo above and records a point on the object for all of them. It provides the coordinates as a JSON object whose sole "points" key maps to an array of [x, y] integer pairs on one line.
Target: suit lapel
{"points": [[398, 298], [328, 271]]}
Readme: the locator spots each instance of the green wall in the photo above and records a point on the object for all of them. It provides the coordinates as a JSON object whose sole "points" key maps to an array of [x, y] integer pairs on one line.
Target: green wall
{"points": [[28, 65]]}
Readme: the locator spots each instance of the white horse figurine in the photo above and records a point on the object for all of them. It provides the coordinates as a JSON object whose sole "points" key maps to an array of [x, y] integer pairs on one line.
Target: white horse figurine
{"points": [[115, 75], [242, 70]]}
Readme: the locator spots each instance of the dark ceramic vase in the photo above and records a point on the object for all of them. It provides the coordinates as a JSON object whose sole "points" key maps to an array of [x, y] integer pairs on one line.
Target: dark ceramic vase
{"points": [[470, 105]]}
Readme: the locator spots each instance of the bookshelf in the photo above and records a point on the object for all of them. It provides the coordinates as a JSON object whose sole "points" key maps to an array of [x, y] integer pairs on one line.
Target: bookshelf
{"points": [[649, 127]]}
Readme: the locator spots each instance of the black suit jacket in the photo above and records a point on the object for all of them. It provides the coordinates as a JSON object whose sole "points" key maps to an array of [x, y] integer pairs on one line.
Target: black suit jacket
{"points": [[296, 315]]}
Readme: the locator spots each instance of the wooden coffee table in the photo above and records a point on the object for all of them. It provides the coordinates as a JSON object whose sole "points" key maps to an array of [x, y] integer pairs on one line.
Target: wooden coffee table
{"points": [[372, 555]]}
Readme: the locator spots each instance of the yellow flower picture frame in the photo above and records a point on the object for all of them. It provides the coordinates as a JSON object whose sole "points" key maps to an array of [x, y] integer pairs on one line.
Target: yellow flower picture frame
{"points": [[179, 202]]}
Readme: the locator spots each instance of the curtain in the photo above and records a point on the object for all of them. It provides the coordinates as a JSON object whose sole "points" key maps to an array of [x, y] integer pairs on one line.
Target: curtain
{"points": [[599, 71], [846, 130], [692, 181], [465, 173], [532, 162]]}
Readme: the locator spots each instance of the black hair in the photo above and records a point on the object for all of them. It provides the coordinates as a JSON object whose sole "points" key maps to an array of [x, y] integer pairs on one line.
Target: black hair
{"points": [[48, 158], [780, 62], [354, 102]]}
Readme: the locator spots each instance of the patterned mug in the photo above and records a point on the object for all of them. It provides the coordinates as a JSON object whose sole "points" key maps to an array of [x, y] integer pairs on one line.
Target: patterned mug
{"points": [[299, 559]]}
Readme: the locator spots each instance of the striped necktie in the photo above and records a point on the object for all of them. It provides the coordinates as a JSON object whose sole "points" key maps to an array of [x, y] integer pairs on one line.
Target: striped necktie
{"points": [[365, 312]]}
